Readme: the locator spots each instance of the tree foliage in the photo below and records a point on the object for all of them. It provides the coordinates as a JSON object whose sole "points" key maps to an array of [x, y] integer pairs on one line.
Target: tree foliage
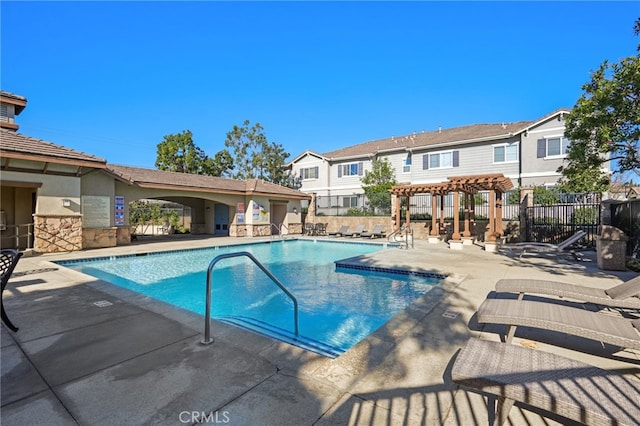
{"points": [[377, 183], [604, 125], [254, 157], [178, 153]]}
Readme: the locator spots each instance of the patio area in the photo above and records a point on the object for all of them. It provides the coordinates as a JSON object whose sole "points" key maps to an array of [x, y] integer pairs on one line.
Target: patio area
{"points": [[90, 353]]}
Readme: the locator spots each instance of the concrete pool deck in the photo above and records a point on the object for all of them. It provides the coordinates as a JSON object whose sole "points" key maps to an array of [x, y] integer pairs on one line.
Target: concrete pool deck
{"points": [[91, 353]]}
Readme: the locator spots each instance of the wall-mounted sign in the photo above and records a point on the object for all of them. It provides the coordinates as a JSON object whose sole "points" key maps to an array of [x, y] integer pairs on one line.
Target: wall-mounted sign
{"points": [[96, 211], [119, 210], [240, 213]]}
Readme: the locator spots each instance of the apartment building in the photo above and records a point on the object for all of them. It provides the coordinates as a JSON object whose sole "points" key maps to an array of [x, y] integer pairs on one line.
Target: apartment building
{"points": [[527, 152]]}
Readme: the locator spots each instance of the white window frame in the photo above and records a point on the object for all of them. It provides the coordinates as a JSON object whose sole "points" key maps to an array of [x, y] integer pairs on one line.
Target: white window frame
{"points": [[439, 154], [348, 168], [515, 145], [406, 164], [561, 138], [306, 173], [351, 202]]}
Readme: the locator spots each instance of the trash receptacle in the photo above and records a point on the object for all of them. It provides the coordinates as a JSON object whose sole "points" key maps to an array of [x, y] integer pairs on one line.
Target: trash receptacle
{"points": [[611, 248]]}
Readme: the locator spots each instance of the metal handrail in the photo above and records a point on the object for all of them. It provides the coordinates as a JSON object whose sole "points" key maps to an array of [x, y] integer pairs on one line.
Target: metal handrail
{"points": [[403, 228], [17, 235], [207, 325], [279, 228]]}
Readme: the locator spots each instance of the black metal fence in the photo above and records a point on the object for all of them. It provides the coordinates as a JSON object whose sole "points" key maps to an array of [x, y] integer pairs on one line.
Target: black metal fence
{"points": [[626, 216], [420, 207], [557, 222], [348, 205]]}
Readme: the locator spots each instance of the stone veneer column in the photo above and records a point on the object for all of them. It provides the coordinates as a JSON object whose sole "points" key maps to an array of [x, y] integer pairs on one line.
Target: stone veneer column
{"points": [[54, 234]]}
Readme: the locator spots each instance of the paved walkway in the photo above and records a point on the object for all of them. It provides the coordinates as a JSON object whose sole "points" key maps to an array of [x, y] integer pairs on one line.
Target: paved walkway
{"points": [[91, 353]]}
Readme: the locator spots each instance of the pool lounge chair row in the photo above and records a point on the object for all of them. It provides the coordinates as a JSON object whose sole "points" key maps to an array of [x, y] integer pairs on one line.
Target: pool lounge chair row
{"points": [[377, 232], [550, 382]]}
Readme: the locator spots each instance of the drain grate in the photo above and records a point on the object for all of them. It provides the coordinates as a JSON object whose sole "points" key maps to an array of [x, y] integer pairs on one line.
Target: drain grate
{"points": [[102, 303], [450, 314]]}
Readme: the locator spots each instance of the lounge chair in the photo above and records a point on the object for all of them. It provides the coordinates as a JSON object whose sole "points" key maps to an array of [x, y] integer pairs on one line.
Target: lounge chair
{"points": [[377, 232], [320, 229], [356, 233], [625, 295], [8, 261], [309, 228], [597, 326], [538, 248], [546, 381], [344, 229]]}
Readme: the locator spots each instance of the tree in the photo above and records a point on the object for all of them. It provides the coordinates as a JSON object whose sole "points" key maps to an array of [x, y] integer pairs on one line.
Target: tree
{"points": [[178, 153], [604, 125], [377, 183], [254, 156], [222, 164]]}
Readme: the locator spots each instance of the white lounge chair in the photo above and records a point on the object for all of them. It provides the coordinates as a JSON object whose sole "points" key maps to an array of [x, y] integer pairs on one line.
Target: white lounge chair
{"points": [[356, 233], [537, 248], [377, 232], [344, 229]]}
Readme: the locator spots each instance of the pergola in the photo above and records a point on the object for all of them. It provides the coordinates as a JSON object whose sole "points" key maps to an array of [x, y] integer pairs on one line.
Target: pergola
{"points": [[496, 184]]}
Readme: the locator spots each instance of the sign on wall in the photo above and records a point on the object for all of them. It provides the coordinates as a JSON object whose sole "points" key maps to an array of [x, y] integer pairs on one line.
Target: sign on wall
{"points": [[96, 211], [119, 210], [240, 213]]}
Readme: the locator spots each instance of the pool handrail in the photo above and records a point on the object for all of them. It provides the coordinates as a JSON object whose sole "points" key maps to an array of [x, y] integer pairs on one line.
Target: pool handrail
{"points": [[207, 325]]}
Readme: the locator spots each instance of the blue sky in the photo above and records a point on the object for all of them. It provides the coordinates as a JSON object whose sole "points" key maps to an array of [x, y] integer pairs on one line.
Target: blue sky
{"points": [[113, 78]]}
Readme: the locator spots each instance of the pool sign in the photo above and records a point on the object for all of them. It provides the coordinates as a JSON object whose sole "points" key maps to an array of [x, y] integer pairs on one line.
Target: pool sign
{"points": [[240, 213], [119, 210]]}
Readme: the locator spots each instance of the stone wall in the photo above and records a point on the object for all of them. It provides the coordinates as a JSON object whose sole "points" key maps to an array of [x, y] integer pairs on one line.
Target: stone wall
{"points": [[54, 234], [99, 237]]}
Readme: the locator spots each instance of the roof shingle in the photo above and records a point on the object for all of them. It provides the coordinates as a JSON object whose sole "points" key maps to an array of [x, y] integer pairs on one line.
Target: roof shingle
{"points": [[17, 145]]}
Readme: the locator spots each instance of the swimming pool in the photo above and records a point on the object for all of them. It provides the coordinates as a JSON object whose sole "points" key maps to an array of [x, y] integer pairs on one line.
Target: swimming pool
{"points": [[338, 307]]}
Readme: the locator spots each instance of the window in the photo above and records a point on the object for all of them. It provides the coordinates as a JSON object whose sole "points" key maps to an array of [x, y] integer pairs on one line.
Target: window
{"points": [[309, 173], [553, 147], [406, 165], [350, 201], [351, 169], [441, 160], [505, 153]]}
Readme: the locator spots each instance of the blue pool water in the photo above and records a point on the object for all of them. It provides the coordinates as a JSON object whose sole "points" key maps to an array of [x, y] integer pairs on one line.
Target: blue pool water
{"points": [[337, 307]]}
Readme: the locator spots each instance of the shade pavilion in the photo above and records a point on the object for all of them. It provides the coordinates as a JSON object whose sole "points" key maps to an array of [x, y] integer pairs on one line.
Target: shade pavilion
{"points": [[468, 186]]}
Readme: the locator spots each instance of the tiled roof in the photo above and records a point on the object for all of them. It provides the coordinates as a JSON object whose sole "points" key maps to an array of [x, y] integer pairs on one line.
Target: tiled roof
{"points": [[16, 145], [13, 96], [152, 178], [441, 137], [456, 135], [20, 102]]}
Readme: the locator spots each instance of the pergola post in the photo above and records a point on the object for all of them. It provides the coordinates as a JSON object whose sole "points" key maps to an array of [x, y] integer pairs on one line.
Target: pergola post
{"points": [[467, 231], [408, 215], [441, 214], [456, 216], [398, 212], [456, 242], [434, 216], [492, 214], [499, 214]]}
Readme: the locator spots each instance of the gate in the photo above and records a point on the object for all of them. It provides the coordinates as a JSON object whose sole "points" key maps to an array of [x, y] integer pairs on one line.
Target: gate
{"points": [[557, 222], [626, 216]]}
